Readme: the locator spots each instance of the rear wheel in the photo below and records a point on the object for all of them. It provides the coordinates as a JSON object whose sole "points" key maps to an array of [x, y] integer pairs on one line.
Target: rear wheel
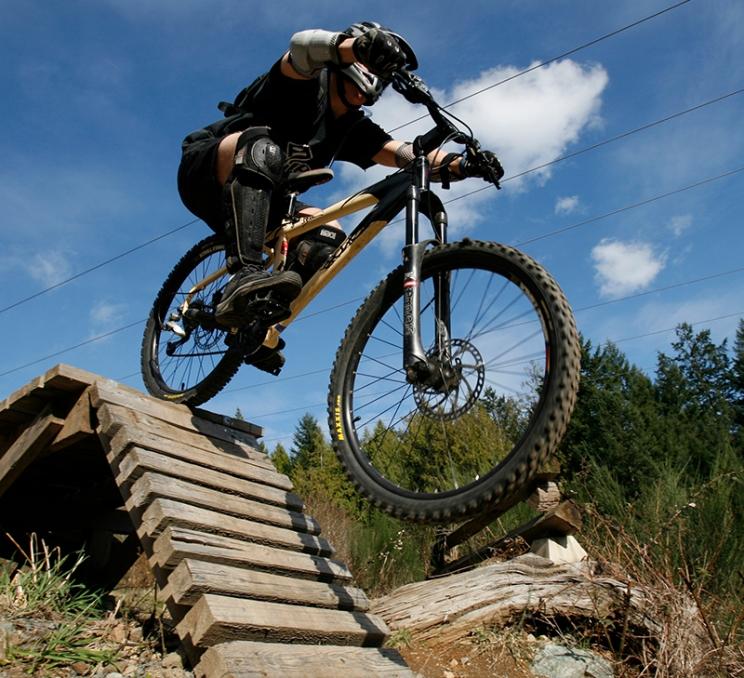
{"points": [[496, 403], [185, 359]]}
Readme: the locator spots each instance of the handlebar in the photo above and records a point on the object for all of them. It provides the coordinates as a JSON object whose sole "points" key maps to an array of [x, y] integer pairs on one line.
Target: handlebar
{"points": [[415, 90]]}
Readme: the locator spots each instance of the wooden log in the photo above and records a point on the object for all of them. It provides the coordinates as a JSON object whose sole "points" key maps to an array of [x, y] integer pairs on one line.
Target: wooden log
{"points": [[110, 391], [545, 497], [150, 486], [78, 424], [127, 436], [192, 578], [175, 544], [64, 377], [27, 447], [163, 513], [137, 461], [249, 659], [449, 608], [113, 417], [215, 619]]}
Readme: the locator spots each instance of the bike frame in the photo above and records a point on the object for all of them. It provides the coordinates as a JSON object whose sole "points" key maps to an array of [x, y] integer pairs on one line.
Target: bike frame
{"points": [[409, 190]]}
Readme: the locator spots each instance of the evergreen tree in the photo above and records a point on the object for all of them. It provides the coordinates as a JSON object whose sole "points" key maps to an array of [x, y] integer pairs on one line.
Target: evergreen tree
{"points": [[694, 393], [281, 459], [238, 415], [737, 388], [309, 447]]}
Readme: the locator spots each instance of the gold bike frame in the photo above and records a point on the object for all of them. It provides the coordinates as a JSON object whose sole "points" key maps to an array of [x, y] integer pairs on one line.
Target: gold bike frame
{"points": [[346, 251]]}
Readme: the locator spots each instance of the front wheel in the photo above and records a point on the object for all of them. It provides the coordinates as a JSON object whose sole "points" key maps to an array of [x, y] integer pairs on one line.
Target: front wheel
{"points": [[504, 385], [184, 358]]}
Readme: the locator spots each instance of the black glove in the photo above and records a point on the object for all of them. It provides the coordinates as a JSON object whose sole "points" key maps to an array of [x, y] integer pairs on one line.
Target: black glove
{"points": [[379, 51], [485, 165]]}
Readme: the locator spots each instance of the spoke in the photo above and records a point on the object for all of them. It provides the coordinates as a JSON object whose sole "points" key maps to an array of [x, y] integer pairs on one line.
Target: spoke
{"points": [[380, 397]]}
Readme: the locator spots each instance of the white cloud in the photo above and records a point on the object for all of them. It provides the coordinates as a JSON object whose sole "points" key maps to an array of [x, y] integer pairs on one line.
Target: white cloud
{"points": [[105, 316], [679, 224], [623, 268], [567, 205], [49, 268]]}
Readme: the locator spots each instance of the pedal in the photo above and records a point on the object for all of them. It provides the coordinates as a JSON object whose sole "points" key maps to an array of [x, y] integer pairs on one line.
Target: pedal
{"points": [[267, 309], [268, 359]]}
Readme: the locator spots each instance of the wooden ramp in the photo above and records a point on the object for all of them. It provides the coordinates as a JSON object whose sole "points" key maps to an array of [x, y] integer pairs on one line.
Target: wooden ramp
{"points": [[246, 574]]}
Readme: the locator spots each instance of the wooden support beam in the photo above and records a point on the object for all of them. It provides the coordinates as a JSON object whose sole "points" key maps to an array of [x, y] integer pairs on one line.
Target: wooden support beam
{"points": [[78, 424], [215, 619], [192, 578], [28, 446], [248, 659]]}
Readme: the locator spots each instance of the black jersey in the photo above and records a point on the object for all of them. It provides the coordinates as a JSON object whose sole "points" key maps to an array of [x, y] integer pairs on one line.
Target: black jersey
{"points": [[302, 124]]}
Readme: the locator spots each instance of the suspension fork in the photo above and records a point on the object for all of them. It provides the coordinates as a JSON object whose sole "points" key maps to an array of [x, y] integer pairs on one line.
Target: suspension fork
{"points": [[415, 362]]}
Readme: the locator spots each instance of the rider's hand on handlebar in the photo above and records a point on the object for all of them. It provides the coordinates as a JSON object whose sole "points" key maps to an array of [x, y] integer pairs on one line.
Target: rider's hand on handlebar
{"points": [[379, 51], [483, 164]]}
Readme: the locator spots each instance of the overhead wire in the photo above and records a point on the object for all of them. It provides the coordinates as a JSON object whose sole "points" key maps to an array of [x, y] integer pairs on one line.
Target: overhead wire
{"points": [[534, 239], [472, 94]]}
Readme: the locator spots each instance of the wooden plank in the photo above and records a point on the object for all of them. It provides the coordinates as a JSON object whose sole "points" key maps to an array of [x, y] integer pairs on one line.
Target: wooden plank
{"points": [[128, 436], [78, 424], [152, 485], [113, 417], [163, 513], [215, 619], [68, 378], [110, 391], [192, 578], [230, 422], [137, 461], [250, 659], [175, 544], [32, 442]]}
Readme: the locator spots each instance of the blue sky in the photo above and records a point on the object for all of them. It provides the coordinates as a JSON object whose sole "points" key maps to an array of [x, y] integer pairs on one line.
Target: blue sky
{"points": [[97, 96]]}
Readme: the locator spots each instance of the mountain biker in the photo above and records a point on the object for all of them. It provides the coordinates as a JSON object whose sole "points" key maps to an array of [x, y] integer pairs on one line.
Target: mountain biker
{"points": [[303, 114]]}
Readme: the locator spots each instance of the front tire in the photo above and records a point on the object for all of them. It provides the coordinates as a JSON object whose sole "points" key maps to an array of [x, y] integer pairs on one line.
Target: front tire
{"points": [[193, 370], [441, 450]]}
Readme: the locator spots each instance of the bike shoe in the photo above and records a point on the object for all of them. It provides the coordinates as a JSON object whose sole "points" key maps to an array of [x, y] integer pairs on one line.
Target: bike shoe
{"points": [[242, 296]]}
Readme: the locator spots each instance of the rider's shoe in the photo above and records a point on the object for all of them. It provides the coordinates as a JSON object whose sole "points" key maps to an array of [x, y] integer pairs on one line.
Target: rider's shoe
{"points": [[252, 283]]}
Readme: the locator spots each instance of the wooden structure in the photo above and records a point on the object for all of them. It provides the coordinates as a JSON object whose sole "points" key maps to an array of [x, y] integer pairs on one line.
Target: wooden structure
{"points": [[246, 574]]}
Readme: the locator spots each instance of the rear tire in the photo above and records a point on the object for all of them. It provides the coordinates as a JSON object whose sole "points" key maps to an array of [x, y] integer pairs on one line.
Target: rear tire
{"points": [[200, 367], [509, 378]]}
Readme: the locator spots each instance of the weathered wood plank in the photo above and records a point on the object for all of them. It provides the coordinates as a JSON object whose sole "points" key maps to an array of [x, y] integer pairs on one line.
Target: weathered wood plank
{"points": [[193, 450], [152, 485], [175, 544], [113, 417], [249, 659], [78, 424], [215, 619], [138, 460], [110, 391], [192, 578], [163, 513], [64, 377], [32, 442]]}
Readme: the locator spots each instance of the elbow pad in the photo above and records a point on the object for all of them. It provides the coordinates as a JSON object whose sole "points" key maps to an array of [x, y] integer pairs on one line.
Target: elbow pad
{"points": [[311, 50]]}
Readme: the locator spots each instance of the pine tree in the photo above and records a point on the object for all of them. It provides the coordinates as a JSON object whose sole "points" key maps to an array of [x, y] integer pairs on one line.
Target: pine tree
{"points": [[281, 459], [737, 388]]}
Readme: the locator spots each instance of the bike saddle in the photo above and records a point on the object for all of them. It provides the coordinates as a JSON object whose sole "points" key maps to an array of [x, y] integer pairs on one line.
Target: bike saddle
{"points": [[299, 182]]}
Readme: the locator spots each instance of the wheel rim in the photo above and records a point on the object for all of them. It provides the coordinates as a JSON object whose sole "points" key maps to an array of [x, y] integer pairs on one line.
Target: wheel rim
{"points": [[430, 442], [183, 365]]}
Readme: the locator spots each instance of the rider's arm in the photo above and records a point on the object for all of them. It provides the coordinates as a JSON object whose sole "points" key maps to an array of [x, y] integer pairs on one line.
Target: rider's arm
{"points": [[397, 153], [310, 51]]}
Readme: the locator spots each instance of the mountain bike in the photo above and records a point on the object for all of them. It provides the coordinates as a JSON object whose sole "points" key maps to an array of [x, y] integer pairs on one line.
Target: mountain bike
{"points": [[455, 379]]}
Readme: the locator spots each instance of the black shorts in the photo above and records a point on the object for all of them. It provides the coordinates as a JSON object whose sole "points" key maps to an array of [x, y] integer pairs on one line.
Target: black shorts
{"points": [[197, 180]]}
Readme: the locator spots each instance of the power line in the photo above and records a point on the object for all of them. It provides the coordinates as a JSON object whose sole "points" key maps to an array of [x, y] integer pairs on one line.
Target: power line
{"points": [[617, 211], [97, 266], [555, 58], [533, 169]]}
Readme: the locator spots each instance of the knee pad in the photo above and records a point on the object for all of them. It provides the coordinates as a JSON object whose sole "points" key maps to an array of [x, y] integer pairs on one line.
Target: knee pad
{"points": [[258, 158]]}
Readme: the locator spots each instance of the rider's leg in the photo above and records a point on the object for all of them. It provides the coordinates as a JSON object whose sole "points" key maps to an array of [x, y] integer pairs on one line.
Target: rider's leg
{"points": [[247, 193]]}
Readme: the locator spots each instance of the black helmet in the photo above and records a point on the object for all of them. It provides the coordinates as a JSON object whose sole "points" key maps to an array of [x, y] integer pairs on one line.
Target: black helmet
{"points": [[369, 84]]}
